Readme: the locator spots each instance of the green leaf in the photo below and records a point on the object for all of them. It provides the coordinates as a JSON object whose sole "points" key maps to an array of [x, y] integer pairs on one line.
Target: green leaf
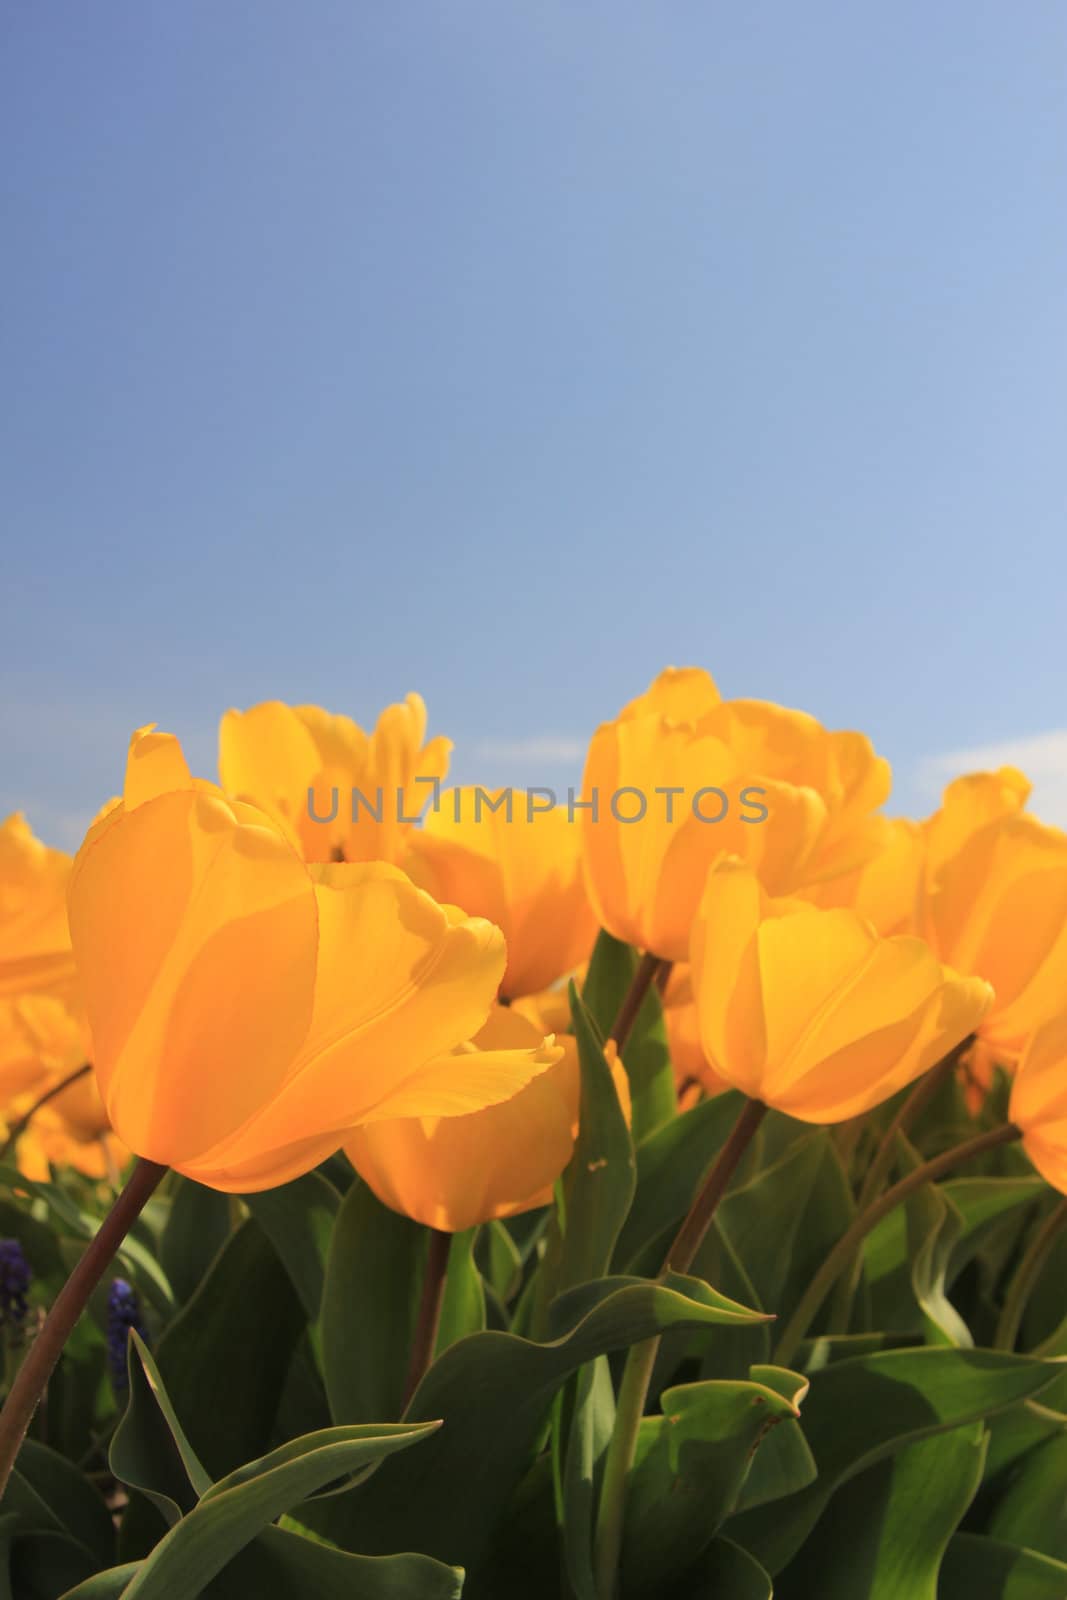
{"points": [[225, 1356], [369, 1305], [233, 1511], [592, 1419], [137, 1261], [1033, 1509], [861, 1410], [900, 1516], [298, 1220], [499, 1260], [282, 1565], [1015, 1432], [37, 1240], [724, 1572], [598, 1184], [74, 1503], [725, 1352], [195, 1232], [8, 1524], [979, 1202], [986, 1569], [671, 1161], [647, 1061], [463, 1303], [109, 1585], [689, 1468], [149, 1449], [783, 1221], [45, 1565], [494, 1392], [934, 1227]]}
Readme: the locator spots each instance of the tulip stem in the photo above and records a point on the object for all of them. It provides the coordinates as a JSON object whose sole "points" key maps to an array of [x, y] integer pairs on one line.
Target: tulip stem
{"points": [[641, 1360], [18, 1128], [429, 1318], [634, 998], [44, 1353], [843, 1251], [1026, 1275]]}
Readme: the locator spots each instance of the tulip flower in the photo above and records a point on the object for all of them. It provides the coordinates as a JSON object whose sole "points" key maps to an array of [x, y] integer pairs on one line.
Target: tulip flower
{"points": [[681, 778], [35, 953], [809, 1010], [994, 902], [497, 857], [48, 1097], [550, 1009], [52, 1142], [1039, 1100], [42, 1041], [247, 1009], [885, 889], [342, 794], [453, 1172], [680, 1018], [968, 805]]}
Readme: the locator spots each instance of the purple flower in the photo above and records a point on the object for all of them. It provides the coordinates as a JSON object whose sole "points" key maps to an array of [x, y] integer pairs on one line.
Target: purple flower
{"points": [[123, 1313], [15, 1276]]}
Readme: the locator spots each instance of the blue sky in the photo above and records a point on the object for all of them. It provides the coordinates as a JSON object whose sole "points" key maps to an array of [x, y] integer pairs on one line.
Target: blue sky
{"points": [[511, 352]]}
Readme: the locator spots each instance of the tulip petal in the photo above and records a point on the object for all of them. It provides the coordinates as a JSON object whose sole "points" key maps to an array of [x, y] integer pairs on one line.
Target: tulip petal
{"points": [[155, 765], [400, 980], [195, 935], [457, 1171]]}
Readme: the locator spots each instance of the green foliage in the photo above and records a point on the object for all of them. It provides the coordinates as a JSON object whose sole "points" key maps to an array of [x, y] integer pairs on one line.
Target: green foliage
{"points": [[261, 1443]]}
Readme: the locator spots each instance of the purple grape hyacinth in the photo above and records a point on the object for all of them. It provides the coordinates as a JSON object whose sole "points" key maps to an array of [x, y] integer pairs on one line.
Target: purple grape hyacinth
{"points": [[123, 1313], [15, 1279]]}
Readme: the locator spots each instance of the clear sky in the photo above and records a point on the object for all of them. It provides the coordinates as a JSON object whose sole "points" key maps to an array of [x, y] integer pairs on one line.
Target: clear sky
{"points": [[510, 352]]}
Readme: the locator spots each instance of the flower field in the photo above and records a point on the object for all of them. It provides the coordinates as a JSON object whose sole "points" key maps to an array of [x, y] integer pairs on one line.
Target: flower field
{"points": [[651, 1192]]}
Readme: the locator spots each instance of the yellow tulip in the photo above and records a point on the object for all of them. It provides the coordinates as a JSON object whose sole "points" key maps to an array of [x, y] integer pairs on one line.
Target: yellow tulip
{"points": [[519, 867], [1039, 1100], [549, 1010], [969, 804], [681, 778], [885, 889], [50, 1142], [248, 1009], [809, 1010], [994, 902], [454, 1172], [35, 953], [342, 794], [683, 1033], [41, 1042]]}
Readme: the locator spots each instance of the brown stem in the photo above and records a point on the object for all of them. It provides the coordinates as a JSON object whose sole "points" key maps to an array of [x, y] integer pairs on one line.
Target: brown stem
{"points": [[429, 1318], [47, 1348], [632, 1001], [19, 1128], [690, 1235]]}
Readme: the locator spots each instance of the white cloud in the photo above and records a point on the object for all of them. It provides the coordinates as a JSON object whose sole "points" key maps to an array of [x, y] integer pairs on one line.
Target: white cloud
{"points": [[552, 750], [1041, 756]]}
